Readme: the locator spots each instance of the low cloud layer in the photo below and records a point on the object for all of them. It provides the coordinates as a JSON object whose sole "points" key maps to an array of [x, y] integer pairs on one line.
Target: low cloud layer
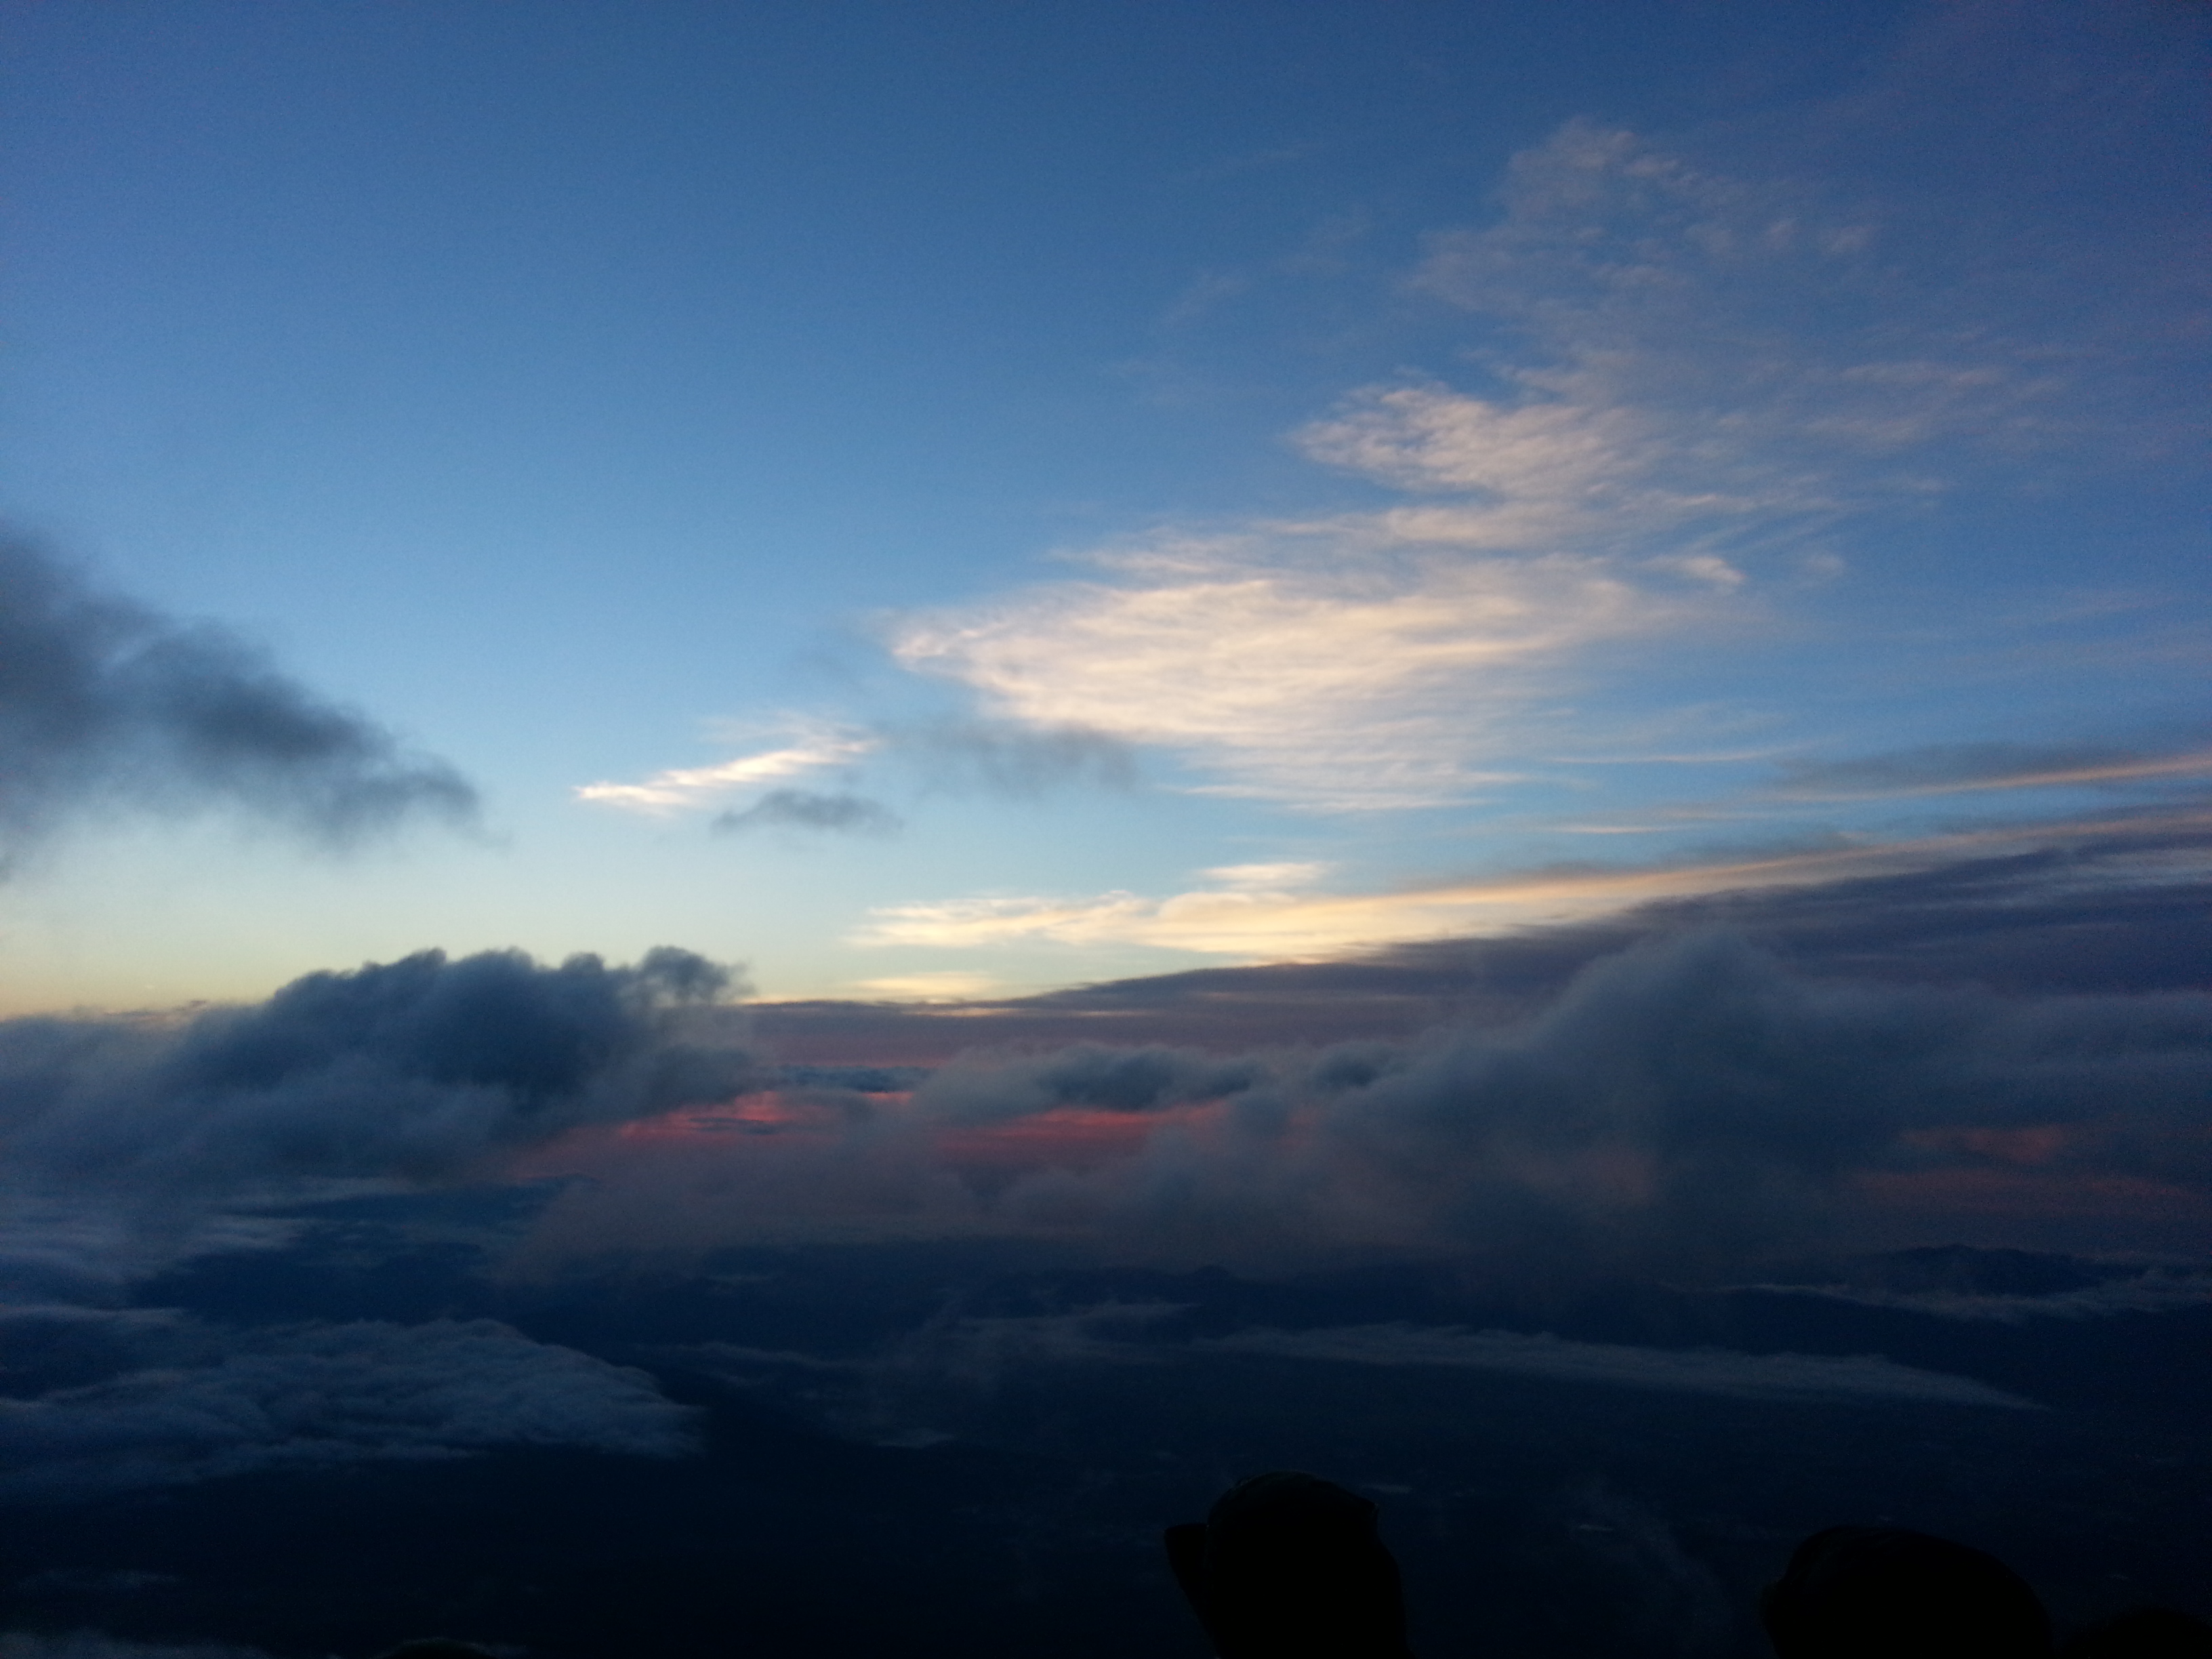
{"points": [[1690, 1107], [135, 1143], [194, 1402], [979, 1352], [1684, 1370], [104, 702], [122, 1133]]}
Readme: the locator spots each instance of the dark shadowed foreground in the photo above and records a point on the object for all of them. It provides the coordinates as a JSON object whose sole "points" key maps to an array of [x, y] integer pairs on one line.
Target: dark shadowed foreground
{"points": [[962, 1449]]}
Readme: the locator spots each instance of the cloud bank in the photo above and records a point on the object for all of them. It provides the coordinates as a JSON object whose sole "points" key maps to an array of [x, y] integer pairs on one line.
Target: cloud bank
{"points": [[130, 1136], [1690, 1108], [103, 701], [135, 1143]]}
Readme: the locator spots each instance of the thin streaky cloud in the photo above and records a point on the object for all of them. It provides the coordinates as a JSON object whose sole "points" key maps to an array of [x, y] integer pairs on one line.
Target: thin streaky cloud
{"points": [[803, 808], [684, 787], [1266, 877], [1280, 925], [1963, 768], [1693, 1371]]}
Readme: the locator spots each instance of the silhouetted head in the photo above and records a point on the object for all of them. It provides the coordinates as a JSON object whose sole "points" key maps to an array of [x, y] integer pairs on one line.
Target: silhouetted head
{"points": [[1288, 1566], [1884, 1593]]}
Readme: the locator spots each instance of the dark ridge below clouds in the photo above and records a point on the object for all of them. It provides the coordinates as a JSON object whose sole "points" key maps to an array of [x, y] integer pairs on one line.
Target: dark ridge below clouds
{"points": [[105, 702]]}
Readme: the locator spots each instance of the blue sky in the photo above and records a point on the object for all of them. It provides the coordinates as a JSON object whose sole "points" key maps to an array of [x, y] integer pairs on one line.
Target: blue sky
{"points": [[932, 501]]}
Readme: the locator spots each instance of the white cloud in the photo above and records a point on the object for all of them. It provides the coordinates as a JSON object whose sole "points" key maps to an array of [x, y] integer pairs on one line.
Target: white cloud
{"points": [[1685, 402], [1373, 677], [815, 747], [1690, 1371], [1266, 878], [1690, 379]]}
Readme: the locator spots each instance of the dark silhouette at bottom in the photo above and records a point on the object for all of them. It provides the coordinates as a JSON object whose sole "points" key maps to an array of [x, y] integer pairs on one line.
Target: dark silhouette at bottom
{"points": [[1853, 1590], [1290, 1566]]}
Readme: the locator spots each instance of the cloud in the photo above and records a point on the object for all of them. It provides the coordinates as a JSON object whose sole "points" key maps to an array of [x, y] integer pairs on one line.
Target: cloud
{"points": [[799, 809], [815, 746], [955, 755], [1686, 1108], [1243, 918], [1953, 769], [1687, 1370], [1778, 345], [103, 701], [1689, 378], [1368, 678], [982, 1088], [1018, 761], [940, 985], [2156, 1290], [218, 1402], [122, 1131]]}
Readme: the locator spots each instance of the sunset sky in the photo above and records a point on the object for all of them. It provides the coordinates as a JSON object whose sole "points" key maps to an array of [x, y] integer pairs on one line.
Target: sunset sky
{"points": [[940, 501], [802, 801]]}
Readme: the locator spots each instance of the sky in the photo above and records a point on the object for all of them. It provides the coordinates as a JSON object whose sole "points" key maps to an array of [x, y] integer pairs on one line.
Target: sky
{"points": [[859, 787], [950, 503]]}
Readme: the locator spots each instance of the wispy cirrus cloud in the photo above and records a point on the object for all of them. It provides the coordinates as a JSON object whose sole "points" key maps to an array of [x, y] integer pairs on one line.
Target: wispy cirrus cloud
{"points": [[1690, 378], [1959, 768], [1356, 675]]}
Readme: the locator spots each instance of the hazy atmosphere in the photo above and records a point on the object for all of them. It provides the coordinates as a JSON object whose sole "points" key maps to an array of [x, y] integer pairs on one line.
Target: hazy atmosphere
{"points": [[801, 804]]}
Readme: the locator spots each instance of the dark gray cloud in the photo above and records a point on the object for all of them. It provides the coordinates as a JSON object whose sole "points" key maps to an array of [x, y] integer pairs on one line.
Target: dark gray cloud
{"points": [[986, 1087], [996, 758], [1692, 1370], [803, 808], [200, 1402], [103, 701], [1692, 1107], [417, 1070]]}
